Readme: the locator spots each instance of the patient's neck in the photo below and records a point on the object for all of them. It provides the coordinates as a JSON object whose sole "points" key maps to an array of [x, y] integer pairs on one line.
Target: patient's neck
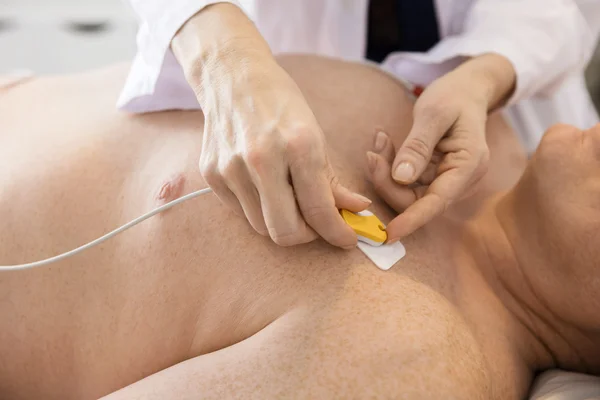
{"points": [[493, 252], [516, 263], [563, 319]]}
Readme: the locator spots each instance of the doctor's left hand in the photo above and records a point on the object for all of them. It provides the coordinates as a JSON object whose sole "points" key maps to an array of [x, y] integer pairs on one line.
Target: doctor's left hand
{"points": [[263, 151], [445, 154]]}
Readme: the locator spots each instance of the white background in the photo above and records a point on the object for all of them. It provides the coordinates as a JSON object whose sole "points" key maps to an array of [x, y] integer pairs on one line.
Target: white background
{"points": [[42, 35]]}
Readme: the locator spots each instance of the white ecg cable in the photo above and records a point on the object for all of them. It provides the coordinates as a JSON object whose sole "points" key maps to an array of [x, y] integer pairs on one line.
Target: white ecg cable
{"points": [[109, 235]]}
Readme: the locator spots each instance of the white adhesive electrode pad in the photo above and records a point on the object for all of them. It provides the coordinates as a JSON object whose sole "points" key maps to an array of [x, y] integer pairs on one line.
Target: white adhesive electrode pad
{"points": [[384, 256]]}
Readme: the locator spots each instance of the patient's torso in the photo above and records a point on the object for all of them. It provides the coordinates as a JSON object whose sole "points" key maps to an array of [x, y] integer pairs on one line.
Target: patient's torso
{"points": [[196, 278]]}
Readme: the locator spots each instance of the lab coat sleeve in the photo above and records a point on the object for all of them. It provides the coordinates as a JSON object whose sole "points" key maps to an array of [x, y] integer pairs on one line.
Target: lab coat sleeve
{"points": [[545, 40], [156, 81]]}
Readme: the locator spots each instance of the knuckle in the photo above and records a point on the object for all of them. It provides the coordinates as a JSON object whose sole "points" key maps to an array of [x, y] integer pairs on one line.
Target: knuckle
{"points": [[466, 155], [334, 181], [444, 203], [302, 143], [478, 155], [484, 154], [418, 147], [484, 162], [299, 144], [256, 158], [261, 153], [232, 168], [481, 172], [209, 171]]}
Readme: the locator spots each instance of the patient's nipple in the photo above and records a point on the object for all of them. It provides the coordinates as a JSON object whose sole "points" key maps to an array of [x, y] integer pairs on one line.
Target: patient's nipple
{"points": [[171, 189]]}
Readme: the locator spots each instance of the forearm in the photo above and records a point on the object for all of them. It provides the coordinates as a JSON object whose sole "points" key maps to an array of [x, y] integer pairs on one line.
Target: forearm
{"points": [[220, 38]]}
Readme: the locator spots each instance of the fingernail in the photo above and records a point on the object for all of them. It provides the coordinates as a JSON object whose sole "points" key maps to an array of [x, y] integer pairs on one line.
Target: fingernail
{"points": [[371, 161], [392, 240], [404, 172], [350, 247], [362, 198], [380, 141]]}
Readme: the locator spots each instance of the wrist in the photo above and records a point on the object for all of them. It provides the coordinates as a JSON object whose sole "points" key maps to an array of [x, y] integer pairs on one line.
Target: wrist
{"points": [[494, 76], [216, 40]]}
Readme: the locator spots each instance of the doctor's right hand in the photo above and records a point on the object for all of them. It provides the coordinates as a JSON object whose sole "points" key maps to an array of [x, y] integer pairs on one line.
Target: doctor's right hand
{"points": [[263, 152]]}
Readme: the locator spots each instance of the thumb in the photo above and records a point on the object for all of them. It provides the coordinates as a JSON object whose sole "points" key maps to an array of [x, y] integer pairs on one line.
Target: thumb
{"points": [[415, 153]]}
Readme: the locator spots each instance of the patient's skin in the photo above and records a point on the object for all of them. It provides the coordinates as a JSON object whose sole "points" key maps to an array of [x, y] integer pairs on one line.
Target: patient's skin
{"points": [[453, 319]]}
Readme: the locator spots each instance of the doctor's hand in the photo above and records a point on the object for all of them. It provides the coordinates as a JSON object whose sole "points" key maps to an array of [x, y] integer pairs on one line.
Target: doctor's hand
{"points": [[263, 152], [445, 154]]}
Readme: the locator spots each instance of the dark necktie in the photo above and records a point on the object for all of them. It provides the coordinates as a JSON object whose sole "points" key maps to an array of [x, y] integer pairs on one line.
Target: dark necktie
{"points": [[400, 25]]}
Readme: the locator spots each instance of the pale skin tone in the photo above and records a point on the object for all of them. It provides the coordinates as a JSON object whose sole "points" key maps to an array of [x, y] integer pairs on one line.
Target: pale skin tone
{"points": [[194, 304], [265, 154]]}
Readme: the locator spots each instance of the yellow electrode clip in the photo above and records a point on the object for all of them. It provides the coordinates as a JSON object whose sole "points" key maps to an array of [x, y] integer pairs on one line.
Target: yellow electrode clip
{"points": [[367, 226]]}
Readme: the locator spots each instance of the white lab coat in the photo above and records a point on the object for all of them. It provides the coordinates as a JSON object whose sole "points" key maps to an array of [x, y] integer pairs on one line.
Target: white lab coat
{"points": [[548, 42]]}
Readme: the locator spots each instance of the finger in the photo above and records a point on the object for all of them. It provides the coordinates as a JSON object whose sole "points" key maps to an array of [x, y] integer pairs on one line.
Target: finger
{"points": [[468, 147], [347, 199], [457, 172], [384, 147], [243, 188], [394, 194], [415, 216], [284, 221], [475, 148], [282, 217], [430, 124], [428, 176], [478, 156], [313, 188], [220, 189], [435, 201]]}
